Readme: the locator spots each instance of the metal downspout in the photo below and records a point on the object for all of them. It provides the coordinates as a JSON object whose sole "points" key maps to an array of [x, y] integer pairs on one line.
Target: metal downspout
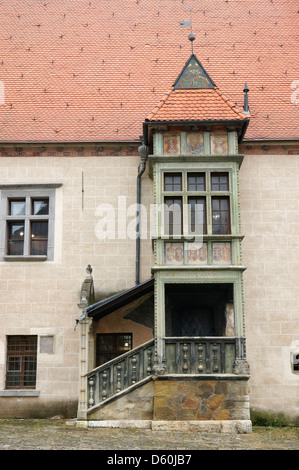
{"points": [[143, 151]]}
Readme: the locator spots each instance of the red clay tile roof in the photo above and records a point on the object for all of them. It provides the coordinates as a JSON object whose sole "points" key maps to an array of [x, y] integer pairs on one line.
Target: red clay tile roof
{"points": [[195, 105], [93, 70]]}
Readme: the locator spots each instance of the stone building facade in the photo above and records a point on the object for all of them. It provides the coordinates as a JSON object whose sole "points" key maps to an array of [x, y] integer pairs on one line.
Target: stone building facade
{"points": [[72, 139]]}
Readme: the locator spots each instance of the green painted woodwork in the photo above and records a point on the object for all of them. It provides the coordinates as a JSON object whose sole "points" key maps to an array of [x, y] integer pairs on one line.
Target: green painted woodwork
{"points": [[209, 271]]}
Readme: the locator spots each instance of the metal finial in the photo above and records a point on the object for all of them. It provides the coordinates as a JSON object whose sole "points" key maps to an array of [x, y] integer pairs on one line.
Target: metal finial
{"points": [[191, 38], [246, 107]]}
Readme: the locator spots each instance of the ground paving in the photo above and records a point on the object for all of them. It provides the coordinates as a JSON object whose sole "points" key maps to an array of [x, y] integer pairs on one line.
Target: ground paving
{"points": [[59, 434]]}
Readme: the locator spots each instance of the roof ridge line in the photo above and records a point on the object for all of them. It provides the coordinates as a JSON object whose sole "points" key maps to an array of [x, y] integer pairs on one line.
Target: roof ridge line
{"points": [[161, 103]]}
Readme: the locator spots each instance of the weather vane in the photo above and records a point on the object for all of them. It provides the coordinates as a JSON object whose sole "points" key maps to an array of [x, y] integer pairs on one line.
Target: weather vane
{"points": [[188, 24]]}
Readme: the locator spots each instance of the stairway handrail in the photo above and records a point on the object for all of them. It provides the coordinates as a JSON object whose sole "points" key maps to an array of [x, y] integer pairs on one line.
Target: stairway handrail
{"points": [[120, 358]]}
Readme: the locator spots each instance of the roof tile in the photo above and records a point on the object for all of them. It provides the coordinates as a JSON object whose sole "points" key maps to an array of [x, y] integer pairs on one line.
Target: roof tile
{"points": [[195, 105], [93, 70]]}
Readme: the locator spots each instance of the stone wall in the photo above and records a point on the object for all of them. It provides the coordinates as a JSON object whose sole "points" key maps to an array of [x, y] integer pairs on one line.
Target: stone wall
{"points": [[136, 405], [269, 185], [169, 398], [200, 399], [40, 298]]}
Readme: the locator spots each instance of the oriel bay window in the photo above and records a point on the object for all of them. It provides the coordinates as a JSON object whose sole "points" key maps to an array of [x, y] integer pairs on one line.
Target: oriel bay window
{"points": [[196, 203], [27, 224]]}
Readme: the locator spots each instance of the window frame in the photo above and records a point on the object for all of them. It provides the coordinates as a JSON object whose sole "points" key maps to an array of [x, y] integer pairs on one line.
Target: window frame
{"points": [[29, 193], [171, 216], [196, 174], [207, 194], [173, 175], [221, 212], [219, 174], [190, 215], [22, 354]]}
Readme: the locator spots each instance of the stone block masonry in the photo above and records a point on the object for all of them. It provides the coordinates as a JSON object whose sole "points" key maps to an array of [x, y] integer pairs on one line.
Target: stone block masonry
{"points": [[218, 404], [197, 399]]}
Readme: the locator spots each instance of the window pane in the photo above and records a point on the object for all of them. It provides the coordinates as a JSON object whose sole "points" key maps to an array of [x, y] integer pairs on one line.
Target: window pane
{"points": [[196, 182], [13, 377], [219, 182], [109, 346], [172, 182], [29, 371], [173, 216], [223, 204], [39, 238], [17, 207], [215, 204], [220, 216], [124, 343], [197, 215], [14, 364], [105, 342], [40, 207], [15, 244], [224, 218]]}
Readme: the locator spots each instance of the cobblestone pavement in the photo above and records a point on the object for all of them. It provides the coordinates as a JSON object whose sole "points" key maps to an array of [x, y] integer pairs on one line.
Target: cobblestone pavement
{"points": [[58, 434]]}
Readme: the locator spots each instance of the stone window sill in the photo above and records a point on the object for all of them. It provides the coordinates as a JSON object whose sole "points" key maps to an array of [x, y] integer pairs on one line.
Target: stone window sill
{"points": [[24, 258], [19, 393]]}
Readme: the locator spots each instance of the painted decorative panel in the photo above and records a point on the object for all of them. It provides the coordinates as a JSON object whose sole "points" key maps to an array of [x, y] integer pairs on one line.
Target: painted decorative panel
{"points": [[197, 253], [222, 253], [172, 144], [195, 144], [193, 75], [219, 144], [174, 254]]}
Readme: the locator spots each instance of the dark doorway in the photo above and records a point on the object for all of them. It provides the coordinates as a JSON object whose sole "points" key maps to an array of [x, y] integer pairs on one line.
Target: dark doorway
{"points": [[109, 346], [197, 309]]}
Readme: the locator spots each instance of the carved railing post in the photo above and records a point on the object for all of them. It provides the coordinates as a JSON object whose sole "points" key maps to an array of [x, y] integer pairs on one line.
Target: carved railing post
{"points": [[200, 351], [149, 361], [215, 365], [118, 381], [185, 358], [241, 365], [91, 391], [134, 362], [104, 391]]}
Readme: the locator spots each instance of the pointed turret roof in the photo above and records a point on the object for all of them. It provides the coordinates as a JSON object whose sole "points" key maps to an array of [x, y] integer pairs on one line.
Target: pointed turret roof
{"points": [[195, 97]]}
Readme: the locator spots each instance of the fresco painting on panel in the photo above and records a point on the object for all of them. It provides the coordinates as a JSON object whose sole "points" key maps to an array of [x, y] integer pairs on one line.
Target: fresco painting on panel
{"points": [[221, 253], [195, 143], [219, 144], [172, 144], [174, 254], [197, 253]]}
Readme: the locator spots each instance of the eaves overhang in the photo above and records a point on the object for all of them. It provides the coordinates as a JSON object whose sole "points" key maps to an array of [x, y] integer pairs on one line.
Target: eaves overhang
{"points": [[114, 302], [240, 124]]}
